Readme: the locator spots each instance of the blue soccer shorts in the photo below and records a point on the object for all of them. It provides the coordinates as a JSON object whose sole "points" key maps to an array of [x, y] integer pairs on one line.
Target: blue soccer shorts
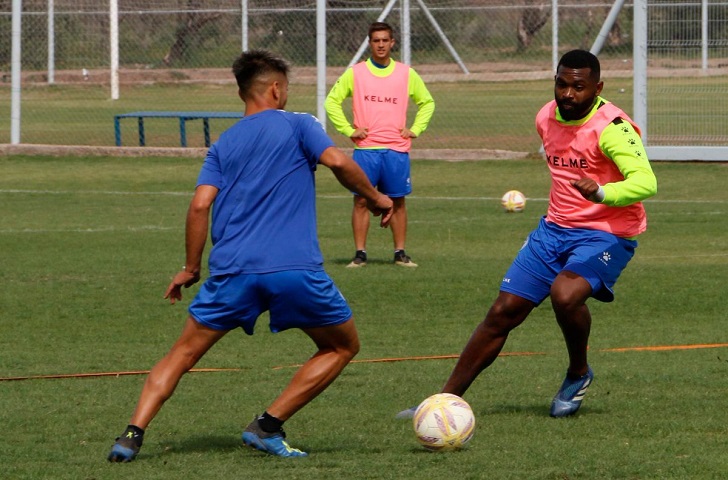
{"points": [[599, 257], [295, 299], [386, 169]]}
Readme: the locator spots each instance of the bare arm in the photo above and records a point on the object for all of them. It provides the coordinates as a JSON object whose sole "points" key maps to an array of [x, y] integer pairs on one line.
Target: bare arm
{"points": [[351, 176], [196, 227]]}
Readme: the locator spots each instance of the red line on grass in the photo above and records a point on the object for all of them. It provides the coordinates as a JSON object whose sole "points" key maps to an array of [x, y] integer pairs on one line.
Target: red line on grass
{"points": [[654, 348], [662, 348], [426, 357]]}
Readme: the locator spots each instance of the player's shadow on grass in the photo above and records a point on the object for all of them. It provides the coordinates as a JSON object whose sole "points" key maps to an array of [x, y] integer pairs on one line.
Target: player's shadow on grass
{"points": [[221, 444], [510, 409], [203, 443], [539, 410], [370, 261], [419, 450]]}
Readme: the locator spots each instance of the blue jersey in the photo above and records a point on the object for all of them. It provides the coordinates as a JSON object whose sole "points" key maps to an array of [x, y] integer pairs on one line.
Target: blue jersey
{"points": [[264, 215]]}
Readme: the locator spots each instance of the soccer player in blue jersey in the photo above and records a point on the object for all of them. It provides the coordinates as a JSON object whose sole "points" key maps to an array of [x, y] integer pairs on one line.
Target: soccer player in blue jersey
{"points": [[258, 180]]}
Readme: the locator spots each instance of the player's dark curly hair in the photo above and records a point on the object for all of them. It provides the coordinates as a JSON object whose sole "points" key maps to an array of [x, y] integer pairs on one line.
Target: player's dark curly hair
{"points": [[253, 64], [381, 27], [582, 59]]}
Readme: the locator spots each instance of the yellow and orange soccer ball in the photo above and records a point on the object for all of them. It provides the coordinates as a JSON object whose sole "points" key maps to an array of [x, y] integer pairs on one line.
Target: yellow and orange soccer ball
{"points": [[444, 422], [513, 201]]}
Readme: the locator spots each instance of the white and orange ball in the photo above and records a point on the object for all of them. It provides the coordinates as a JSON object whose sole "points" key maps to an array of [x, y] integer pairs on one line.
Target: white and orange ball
{"points": [[513, 201], [444, 422]]}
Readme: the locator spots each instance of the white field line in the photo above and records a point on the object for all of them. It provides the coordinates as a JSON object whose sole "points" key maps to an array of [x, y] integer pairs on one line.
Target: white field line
{"points": [[697, 255], [530, 199], [90, 192], [327, 197], [166, 193], [141, 228]]}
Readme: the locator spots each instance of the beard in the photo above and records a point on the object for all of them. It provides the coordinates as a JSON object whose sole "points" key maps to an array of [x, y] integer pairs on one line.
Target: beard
{"points": [[574, 110]]}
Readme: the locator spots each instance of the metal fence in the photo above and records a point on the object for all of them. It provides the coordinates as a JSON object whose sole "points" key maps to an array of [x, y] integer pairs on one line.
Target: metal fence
{"points": [[487, 62], [687, 79]]}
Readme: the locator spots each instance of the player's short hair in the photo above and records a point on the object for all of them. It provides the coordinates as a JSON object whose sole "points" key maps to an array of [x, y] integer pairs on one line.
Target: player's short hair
{"points": [[381, 27], [581, 59], [253, 64]]}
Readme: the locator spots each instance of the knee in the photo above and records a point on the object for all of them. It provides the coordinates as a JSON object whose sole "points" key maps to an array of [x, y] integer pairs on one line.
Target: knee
{"points": [[500, 319], [184, 358], [504, 316], [344, 349], [565, 301], [569, 292], [352, 349], [398, 204], [360, 203]]}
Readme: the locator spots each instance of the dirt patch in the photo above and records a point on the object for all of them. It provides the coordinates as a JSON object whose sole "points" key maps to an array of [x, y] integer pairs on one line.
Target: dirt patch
{"points": [[449, 72], [449, 155]]}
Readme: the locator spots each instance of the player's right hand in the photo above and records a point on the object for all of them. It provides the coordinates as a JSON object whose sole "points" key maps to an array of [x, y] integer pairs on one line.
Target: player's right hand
{"points": [[182, 279], [588, 188]]}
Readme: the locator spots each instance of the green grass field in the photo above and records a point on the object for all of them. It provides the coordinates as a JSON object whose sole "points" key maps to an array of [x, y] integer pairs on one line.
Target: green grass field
{"points": [[89, 245]]}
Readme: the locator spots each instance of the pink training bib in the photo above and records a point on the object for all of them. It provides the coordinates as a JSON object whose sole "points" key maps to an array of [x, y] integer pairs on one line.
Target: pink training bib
{"points": [[380, 105], [572, 152]]}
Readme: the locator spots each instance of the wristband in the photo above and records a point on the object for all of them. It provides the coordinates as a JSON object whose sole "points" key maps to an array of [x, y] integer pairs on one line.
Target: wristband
{"points": [[598, 196]]}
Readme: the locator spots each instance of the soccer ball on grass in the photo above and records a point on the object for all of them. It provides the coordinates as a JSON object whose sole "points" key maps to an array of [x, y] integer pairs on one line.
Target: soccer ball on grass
{"points": [[444, 422], [513, 201]]}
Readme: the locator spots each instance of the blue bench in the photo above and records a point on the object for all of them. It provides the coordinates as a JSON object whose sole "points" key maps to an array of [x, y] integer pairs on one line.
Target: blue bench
{"points": [[182, 116]]}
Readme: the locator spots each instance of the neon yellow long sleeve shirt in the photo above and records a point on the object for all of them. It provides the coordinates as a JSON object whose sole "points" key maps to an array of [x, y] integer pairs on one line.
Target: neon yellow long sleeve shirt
{"points": [[622, 144], [344, 88]]}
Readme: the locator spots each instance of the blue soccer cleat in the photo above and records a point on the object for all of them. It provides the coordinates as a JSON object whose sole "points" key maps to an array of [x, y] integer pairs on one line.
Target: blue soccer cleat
{"points": [[568, 399], [126, 448], [405, 414], [272, 443]]}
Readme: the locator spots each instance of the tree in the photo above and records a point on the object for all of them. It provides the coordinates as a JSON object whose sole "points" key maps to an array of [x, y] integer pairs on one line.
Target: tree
{"points": [[188, 32], [532, 19]]}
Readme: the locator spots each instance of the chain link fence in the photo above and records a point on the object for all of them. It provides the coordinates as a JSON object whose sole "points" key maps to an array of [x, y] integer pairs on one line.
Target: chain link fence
{"points": [[488, 82]]}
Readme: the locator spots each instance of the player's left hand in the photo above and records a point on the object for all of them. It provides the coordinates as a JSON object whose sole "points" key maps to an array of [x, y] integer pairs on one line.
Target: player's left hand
{"points": [[359, 134], [182, 279], [407, 133]]}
